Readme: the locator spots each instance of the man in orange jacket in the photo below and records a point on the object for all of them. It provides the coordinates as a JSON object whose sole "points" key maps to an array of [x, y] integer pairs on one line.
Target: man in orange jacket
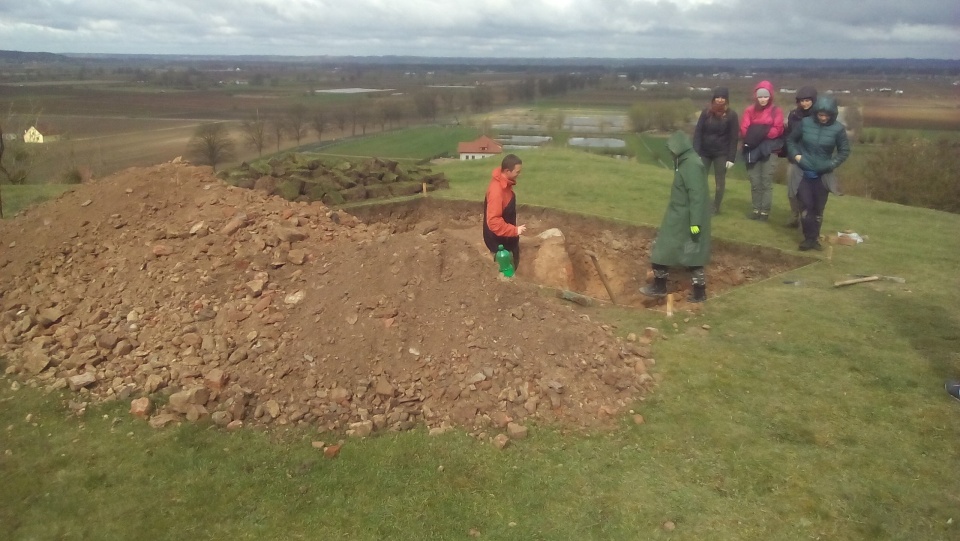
{"points": [[500, 209]]}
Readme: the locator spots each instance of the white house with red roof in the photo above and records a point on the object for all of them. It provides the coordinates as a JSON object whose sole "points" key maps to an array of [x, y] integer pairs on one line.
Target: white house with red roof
{"points": [[40, 134], [482, 147]]}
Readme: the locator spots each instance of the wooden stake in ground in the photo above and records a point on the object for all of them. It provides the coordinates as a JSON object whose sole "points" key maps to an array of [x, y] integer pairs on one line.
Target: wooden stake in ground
{"points": [[603, 277], [856, 281]]}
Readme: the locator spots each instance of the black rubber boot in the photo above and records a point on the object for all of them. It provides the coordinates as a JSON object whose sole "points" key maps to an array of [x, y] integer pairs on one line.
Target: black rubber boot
{"points": [[699, 294], [657, 289]]}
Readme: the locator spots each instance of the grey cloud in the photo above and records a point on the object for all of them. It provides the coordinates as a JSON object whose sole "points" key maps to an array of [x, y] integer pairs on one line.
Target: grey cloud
{"points": [[537, 28]]}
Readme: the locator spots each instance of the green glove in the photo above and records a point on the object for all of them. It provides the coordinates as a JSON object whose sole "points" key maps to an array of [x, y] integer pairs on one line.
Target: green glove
{"points": [[695, 233]]}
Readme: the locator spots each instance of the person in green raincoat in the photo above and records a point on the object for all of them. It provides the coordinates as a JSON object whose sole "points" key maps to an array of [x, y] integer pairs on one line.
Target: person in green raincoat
{"points": [[684, 236]]}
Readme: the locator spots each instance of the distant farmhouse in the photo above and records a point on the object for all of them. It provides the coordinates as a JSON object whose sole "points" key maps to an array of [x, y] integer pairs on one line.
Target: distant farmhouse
{"points": [[41, 134], [482, 147]]}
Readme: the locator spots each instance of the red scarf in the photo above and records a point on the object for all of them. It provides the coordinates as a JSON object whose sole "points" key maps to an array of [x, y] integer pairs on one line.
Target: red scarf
{"points": [[718, 109]]}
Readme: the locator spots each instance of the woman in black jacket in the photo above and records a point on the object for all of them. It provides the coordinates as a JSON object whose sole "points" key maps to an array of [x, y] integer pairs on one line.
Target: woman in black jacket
{"points": [[715, 140], [806, 97]]}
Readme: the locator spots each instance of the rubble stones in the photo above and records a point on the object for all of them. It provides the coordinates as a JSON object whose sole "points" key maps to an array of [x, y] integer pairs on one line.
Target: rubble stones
{"points": [[141, 407], [81, 381], [516, 432], [363, 327]]}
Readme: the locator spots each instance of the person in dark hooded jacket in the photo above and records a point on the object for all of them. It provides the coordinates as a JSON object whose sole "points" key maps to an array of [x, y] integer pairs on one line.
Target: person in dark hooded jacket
{"points": [[806, 97], [684, 236], [818, 147], [715, 140]]}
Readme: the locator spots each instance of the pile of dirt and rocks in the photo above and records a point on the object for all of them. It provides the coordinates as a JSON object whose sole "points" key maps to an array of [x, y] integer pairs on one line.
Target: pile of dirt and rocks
{"points": [[306, 177], [195, 299]]}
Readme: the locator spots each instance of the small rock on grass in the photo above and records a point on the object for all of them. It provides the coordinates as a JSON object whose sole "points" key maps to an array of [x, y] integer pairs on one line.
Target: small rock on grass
{"points": [[162, 420], [501, 441], [332, 451], [638, 419], [516, 431], [141, 407]]}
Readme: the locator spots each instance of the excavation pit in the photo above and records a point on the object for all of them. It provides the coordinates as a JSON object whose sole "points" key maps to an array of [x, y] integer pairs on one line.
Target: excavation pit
{"points": [[621, 250]]}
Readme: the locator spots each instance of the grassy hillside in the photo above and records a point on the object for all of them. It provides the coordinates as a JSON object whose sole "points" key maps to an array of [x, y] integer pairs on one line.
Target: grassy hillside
{"points": [[18, 197], [805, 412]]}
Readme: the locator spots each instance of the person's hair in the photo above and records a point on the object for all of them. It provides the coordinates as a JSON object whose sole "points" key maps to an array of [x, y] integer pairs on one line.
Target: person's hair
{"points": [[509, 162]]}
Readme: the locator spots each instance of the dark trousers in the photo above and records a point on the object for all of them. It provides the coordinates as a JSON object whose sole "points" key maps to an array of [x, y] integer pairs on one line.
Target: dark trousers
{"points": [[663, 272], [812, 195], [719, 166]]}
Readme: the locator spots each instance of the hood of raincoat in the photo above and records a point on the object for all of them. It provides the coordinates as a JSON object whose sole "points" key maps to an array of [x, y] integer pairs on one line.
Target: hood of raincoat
{"points": [[678, 143], [828, 105], [766, 85]]}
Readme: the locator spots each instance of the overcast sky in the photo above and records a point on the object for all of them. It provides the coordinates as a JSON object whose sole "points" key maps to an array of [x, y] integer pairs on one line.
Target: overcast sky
{"points": [[495, 28]]}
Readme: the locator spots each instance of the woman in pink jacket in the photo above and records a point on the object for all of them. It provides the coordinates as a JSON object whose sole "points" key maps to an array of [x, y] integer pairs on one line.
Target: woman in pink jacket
{"points": [[761, 130]]}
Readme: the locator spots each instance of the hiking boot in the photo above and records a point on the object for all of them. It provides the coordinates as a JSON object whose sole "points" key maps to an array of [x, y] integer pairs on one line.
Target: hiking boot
{"points": [[699, 294], [657, 289], [755, 215], [763, 217], [953, 388], [809, 244]]}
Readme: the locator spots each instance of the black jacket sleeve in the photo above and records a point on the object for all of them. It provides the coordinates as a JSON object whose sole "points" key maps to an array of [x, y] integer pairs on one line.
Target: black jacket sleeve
{"points": [[734, 134], [698, 133]]}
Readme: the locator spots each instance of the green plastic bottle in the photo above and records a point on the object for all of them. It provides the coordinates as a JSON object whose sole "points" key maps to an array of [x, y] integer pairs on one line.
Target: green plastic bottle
{"points": [[505, 260]]}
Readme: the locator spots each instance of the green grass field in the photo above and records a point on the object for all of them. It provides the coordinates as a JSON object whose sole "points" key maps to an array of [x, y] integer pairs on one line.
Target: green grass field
{"points": [[18, 197], [805, 412]]}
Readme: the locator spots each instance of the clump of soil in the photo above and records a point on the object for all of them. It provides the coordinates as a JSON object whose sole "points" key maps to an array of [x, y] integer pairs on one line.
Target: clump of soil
{"points": [[203, 300]]}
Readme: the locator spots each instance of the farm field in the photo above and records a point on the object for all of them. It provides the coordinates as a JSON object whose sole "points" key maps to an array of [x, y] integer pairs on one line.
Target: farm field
{"points": [[941, 115]]}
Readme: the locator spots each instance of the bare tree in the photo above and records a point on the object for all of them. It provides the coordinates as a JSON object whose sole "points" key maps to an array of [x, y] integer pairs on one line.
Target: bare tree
{"points": [[211, 144], [278, 129], [362, 117], [319, 121], [340, 117], [481, 98], [297, 121], [255, 133], [393, 112], [426, 103], [380, 115], [450, 100], [16, 159], [355, 113], [13, 165]]}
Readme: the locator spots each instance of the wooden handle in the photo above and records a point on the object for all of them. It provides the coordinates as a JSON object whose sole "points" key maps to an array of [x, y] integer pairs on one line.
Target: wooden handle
{"points": [[603, 277], [856, 281]]}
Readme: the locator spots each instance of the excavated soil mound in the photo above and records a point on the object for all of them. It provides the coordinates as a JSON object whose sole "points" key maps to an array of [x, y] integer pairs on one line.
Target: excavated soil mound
{"points": [[194, 299]]}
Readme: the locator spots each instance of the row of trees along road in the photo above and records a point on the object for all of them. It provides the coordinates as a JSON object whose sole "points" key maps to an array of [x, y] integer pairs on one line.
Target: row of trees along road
{"points": [[213, 145]]}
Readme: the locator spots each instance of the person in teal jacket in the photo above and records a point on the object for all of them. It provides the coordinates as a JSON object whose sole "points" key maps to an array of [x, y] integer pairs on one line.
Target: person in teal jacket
{"points": [[818, 147], [684, 236]]}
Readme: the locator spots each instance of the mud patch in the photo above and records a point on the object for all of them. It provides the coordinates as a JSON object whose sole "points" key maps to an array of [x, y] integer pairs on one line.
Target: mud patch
{"points": [[622, 250]]}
